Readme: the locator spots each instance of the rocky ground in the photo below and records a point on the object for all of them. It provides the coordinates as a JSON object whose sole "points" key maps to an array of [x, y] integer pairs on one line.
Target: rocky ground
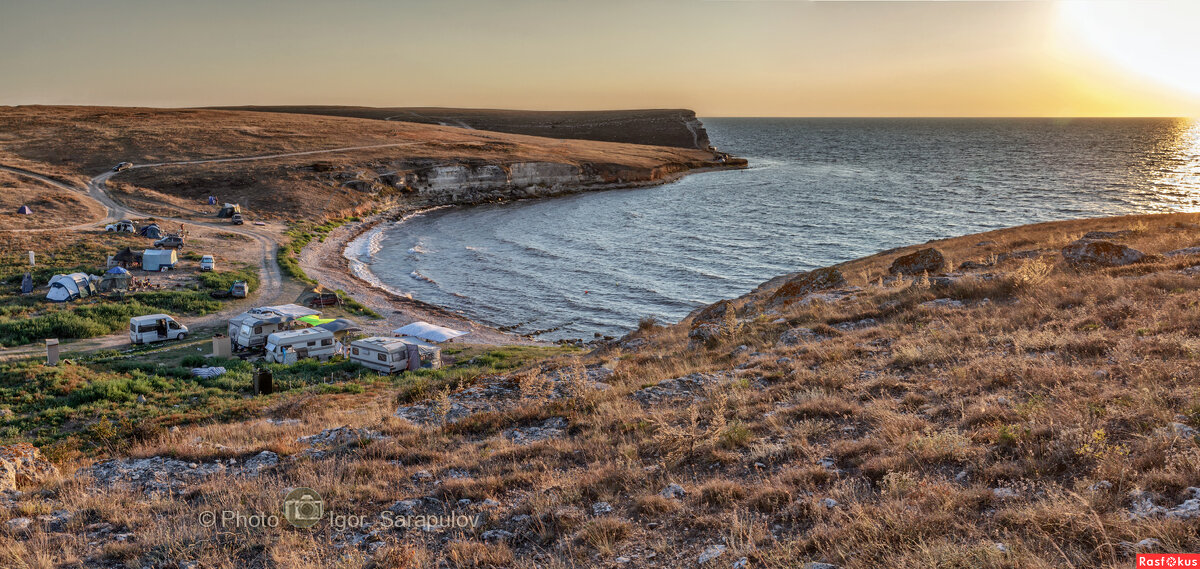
{"points": [[1023, 398]]}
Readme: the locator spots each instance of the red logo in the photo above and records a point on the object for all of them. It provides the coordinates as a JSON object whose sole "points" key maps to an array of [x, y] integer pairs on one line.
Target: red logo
{"points": [[1168, 560]]}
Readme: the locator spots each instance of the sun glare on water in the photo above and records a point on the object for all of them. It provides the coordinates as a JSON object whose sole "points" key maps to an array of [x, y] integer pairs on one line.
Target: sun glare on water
{"points": [[1157, 39]]}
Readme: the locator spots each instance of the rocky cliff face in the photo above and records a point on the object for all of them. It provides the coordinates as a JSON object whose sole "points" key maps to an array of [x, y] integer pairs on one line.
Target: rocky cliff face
{"points": [[659, 127], [468, 184]]}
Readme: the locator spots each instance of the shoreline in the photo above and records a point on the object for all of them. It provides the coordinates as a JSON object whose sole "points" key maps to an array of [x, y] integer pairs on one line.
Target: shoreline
{"points": [[329, 263]]}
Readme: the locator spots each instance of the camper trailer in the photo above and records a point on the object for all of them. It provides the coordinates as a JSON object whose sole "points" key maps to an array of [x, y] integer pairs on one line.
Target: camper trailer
{"points": [[159, 259], [390, 355], [155, 328], [249, 330], [287, 347]]}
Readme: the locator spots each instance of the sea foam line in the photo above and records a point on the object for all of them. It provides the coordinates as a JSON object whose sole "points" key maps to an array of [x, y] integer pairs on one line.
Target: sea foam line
{"points": [[361, 250]]}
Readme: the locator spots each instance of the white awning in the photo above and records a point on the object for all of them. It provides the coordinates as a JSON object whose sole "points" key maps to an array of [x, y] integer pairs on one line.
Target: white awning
{"points": [[427, 331]]}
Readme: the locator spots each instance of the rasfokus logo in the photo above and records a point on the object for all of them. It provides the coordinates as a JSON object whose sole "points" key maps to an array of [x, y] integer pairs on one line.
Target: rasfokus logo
{"points": [[303, 507]]}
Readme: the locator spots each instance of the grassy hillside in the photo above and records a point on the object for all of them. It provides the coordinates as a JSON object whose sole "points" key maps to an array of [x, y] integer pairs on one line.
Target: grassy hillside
{"points": [[1024, 411], [79, 142]]}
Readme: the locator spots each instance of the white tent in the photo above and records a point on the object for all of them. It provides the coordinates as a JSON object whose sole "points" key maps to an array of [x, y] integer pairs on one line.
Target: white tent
{"points": [[427, 331], [67, 287]]}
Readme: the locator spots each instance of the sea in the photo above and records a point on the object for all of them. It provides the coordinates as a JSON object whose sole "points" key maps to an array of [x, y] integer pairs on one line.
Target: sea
{"points": [[817, 192]]}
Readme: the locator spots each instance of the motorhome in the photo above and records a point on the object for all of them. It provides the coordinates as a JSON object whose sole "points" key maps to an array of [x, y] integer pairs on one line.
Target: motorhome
{"points": [[249, 330], [390, 355], [155, 328], [287, 347]]}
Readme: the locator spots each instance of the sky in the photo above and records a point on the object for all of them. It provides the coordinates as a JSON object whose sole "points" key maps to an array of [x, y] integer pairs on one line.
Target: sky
{"points": [[718, 57]]}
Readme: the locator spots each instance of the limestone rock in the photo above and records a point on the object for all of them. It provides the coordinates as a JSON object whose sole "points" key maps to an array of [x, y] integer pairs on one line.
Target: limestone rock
{"points": [[673, 491], [22, 464], [924, 261], [803, 284], [1087, 252], [711, 552]]}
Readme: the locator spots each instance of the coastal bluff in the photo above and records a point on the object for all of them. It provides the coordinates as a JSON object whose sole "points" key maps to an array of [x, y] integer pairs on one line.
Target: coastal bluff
{"points": [[678, 128]]}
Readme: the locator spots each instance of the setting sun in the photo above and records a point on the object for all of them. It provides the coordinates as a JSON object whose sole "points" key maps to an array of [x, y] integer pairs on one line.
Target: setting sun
{"points": [[1156, 40]]}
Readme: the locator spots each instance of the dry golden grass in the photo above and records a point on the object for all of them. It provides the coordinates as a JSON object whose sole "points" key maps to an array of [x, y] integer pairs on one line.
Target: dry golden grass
{"points": [[1007, 433], [76, 143]]}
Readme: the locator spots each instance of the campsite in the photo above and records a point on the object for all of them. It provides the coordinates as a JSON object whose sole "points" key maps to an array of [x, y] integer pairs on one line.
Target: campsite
{"points": [[87, 284]]}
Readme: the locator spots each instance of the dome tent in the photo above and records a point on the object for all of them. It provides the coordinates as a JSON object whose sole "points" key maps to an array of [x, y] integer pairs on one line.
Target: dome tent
{"points": [[70, 287], [152, 231], [115, 278], [24, 210]]}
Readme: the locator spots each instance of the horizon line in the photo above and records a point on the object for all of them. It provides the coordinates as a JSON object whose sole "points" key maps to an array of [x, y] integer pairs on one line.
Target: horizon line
{"points": [[228, 108]]}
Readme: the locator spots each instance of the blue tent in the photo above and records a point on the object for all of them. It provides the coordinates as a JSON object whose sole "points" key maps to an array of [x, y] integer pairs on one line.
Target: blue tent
{"points": [[24, 210], [116, 271]]}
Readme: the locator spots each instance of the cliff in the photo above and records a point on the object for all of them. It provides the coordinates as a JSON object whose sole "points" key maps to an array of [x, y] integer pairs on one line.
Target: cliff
{"points": [[677, 128]]}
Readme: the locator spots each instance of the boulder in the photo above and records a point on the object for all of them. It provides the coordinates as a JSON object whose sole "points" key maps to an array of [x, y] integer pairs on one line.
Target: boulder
{"points": [[924, 261], [1100, 253], [805, 283], [22, 464]]}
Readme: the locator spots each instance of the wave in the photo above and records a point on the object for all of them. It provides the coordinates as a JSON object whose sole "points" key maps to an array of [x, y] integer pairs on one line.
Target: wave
{"points": [[418, 276]]}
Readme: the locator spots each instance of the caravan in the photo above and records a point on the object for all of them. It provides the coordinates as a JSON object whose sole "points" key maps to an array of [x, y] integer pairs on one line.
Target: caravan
{"points": [[287, 347], [155, 328], [390, 355], [250, 329]]}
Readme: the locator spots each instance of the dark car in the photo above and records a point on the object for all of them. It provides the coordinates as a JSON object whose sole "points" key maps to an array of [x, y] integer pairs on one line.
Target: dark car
{"points": [[122, 166], [237, 219], [170, 242]]}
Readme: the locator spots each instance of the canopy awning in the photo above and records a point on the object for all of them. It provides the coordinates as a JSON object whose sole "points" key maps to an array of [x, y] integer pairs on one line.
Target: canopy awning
{"points": [[292, 311], [340, 325], [427, 331], [315, 320]]}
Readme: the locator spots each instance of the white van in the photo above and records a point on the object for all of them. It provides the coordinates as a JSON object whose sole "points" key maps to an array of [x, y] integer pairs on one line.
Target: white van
{"points": [[390, 355], [155, 328], [287, 347], [207, 263]]}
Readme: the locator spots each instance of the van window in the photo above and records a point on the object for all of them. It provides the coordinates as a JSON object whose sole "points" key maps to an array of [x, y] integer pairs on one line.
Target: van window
{"points": [[326, 342], [258, 329], [312, 342], [383, 356], [355, 351]]}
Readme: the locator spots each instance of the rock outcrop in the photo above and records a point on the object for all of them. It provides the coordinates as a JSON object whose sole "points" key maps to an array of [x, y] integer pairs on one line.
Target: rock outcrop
{"points": [[1087, 252], [22, 465], [925, 261], [820, 279]]}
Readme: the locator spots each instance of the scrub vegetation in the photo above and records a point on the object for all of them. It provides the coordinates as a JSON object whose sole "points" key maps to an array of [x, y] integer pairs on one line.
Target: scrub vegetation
{"points": [[1024, 411]]}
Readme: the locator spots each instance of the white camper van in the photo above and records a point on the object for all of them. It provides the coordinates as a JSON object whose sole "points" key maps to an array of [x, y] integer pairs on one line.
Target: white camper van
{"points": [[287, 347], [155, 328], [390, 355]]}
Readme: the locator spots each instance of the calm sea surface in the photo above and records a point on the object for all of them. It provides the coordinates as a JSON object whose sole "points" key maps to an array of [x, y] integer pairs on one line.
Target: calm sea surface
{"points": [[818, 192]]}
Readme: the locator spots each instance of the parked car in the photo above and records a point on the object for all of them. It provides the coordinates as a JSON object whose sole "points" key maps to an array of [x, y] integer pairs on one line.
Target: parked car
{"points": [[170, 242], [208, 263], [123, 226], [155, 328], [237, 219], [122, 166], [238, 290]]}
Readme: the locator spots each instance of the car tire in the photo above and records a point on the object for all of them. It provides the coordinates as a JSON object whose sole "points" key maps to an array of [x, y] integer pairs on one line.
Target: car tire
{"points": [[182, 337]]}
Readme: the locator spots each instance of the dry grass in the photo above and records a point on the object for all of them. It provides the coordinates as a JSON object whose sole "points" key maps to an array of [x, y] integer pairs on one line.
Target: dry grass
{"points": [[76, 143], [926, 440]]}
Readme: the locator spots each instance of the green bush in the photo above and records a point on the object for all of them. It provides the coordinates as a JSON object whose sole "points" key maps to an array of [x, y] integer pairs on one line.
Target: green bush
{"points": [[102, 318]]}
